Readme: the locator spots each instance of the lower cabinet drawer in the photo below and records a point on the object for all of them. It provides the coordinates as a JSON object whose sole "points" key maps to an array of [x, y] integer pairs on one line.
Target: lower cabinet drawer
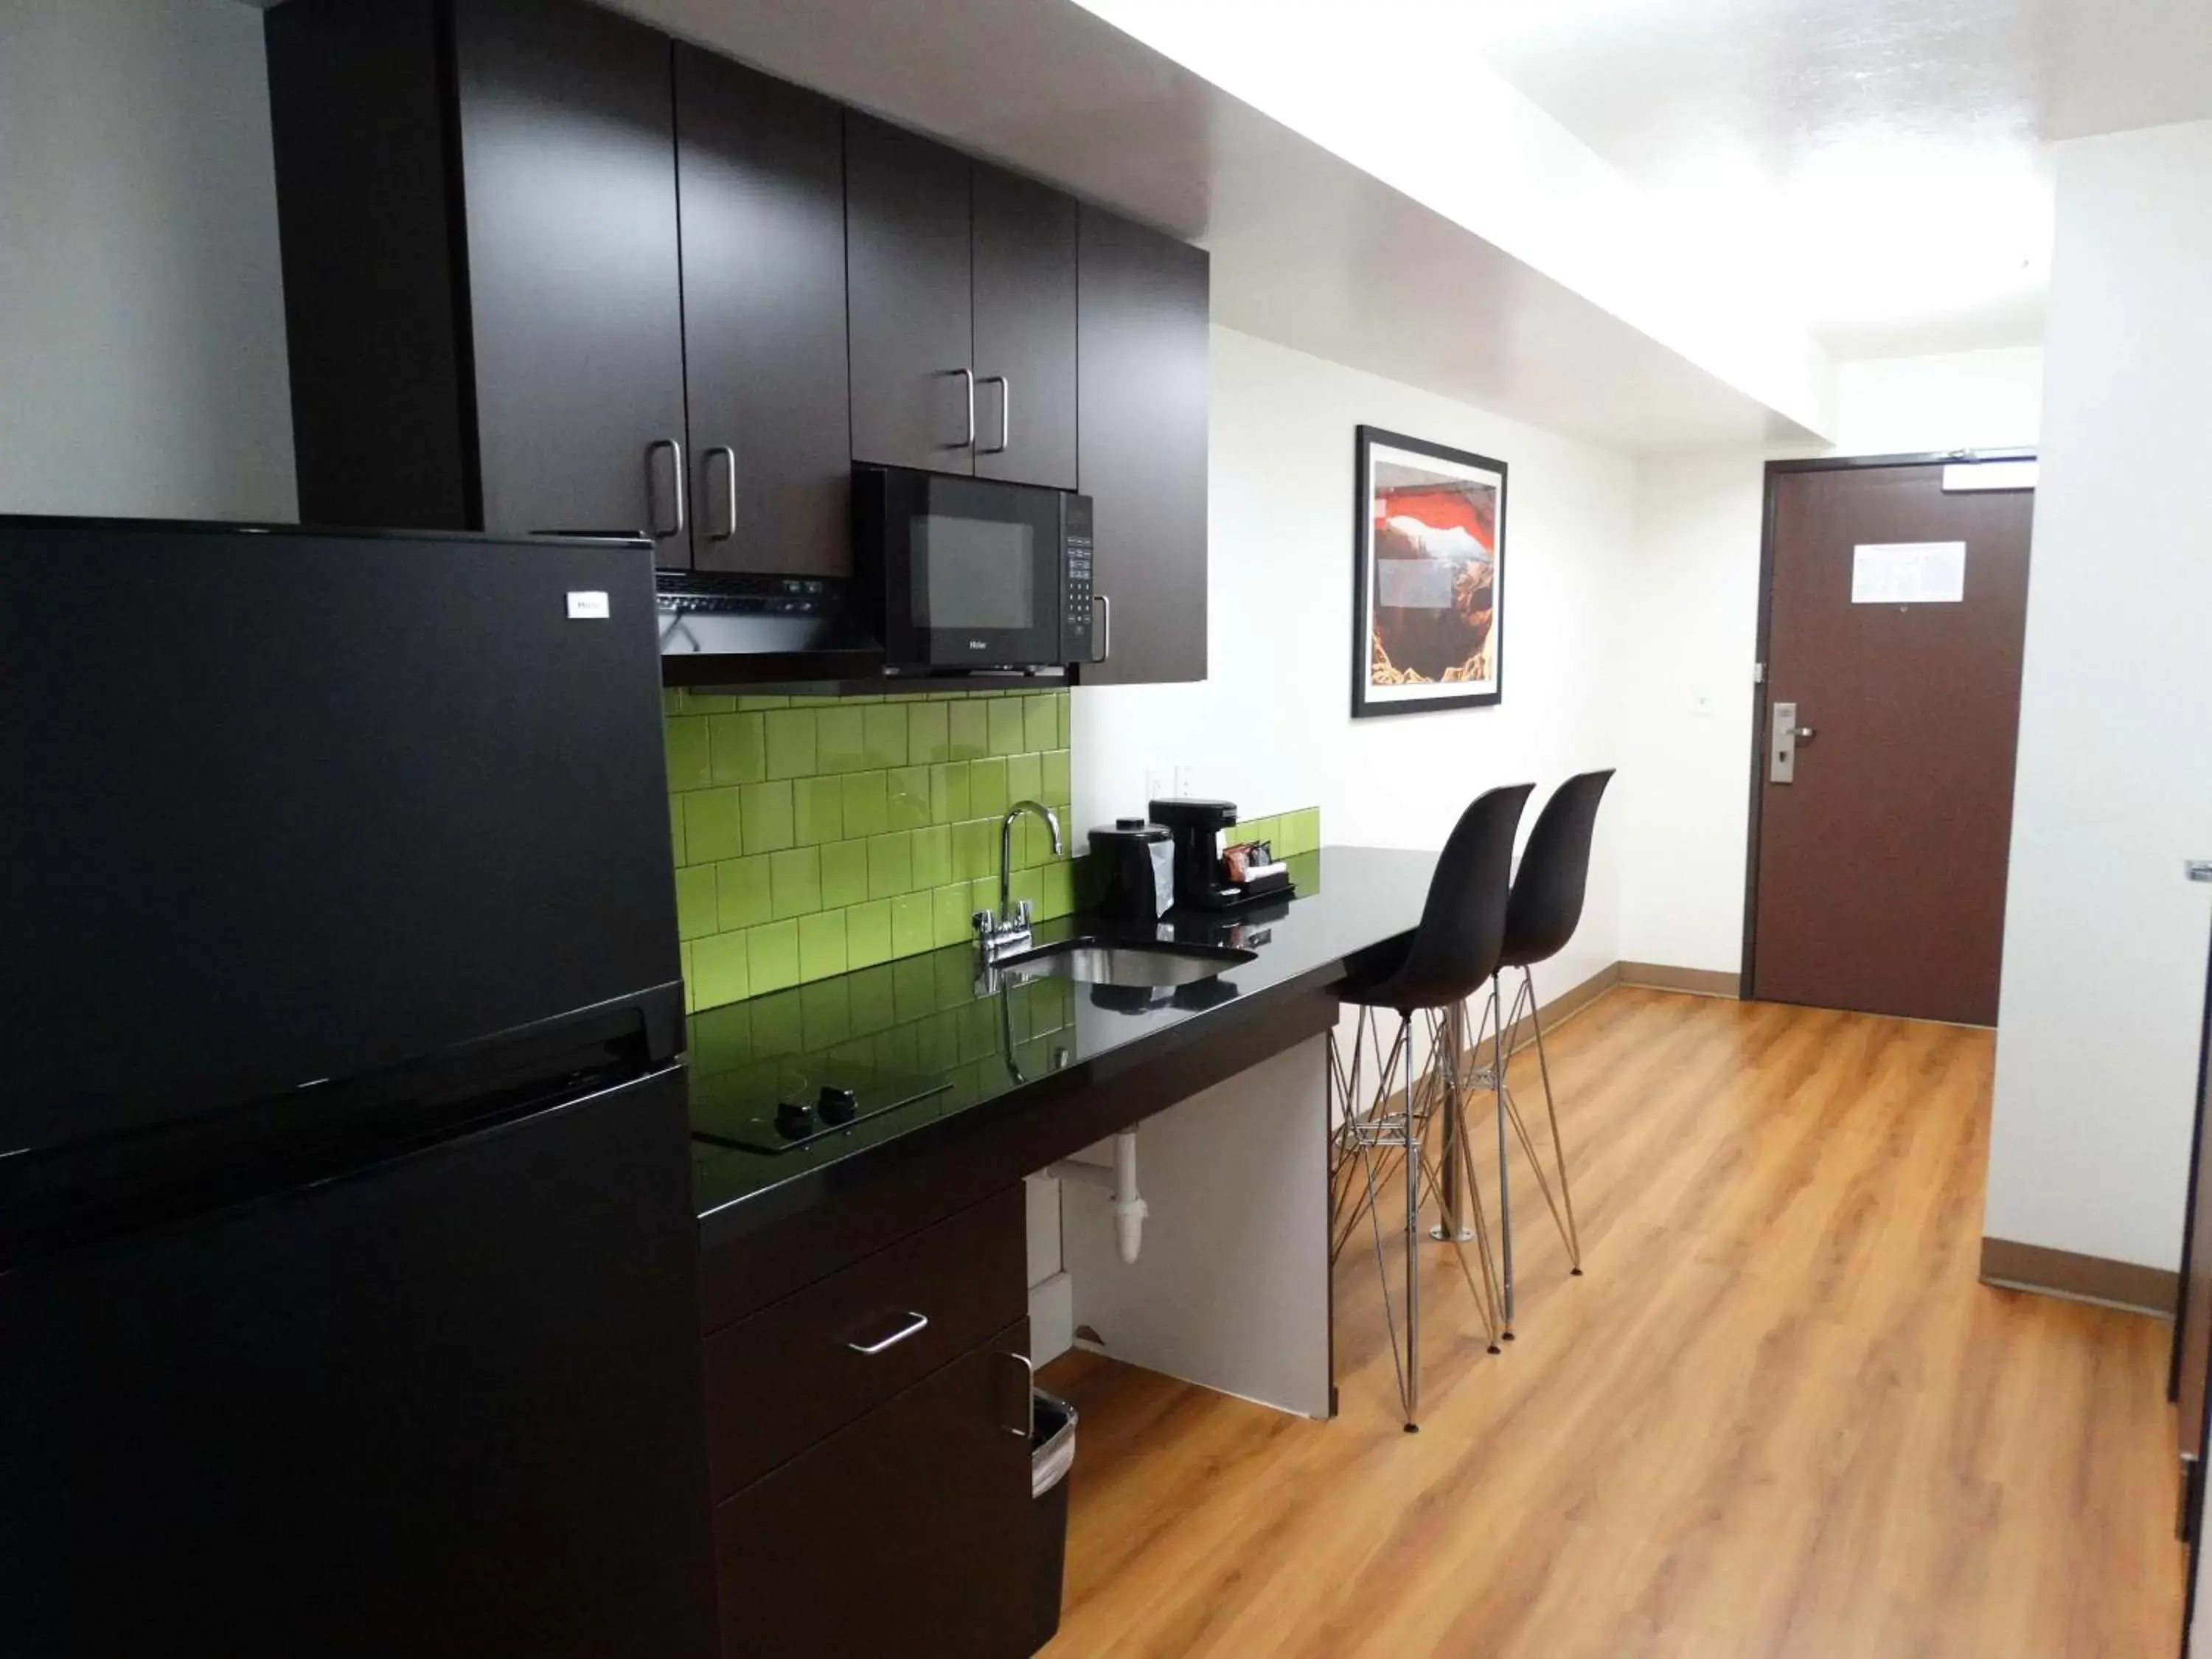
{"points": [[907, 1534], [802, 1369]]}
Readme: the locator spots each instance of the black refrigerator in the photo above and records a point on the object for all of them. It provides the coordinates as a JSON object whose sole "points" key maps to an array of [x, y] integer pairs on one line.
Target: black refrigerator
{"points": [[347, 1257]]}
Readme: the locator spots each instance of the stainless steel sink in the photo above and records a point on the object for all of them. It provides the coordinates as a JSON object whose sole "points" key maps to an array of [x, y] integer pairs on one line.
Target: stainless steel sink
{"points": [[1095, 962]]}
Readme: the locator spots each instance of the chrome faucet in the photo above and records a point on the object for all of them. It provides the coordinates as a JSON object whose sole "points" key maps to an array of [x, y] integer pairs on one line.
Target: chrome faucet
{"points": [[1002, 934]]}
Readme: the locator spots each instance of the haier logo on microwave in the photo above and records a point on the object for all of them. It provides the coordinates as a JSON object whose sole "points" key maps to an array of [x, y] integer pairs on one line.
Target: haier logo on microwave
{"points": [[977, 644]]}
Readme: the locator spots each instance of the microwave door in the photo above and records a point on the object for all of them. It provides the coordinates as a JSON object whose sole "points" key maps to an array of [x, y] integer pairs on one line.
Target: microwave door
{"points": [[985, 575]]}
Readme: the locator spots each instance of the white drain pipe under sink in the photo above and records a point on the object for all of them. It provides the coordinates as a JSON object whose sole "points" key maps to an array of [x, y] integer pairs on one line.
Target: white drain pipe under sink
{"points": [[1120, 1181]]}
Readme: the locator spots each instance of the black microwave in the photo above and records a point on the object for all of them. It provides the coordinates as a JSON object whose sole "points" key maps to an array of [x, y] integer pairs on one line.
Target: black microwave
{"points": [[971, 573]]}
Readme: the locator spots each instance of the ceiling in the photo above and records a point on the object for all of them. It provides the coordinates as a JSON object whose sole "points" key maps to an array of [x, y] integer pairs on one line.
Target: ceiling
{"points": [[1881, 163]]}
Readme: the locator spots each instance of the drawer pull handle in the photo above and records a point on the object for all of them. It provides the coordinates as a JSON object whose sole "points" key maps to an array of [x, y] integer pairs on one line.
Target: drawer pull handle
{"points": [[917, 1324]]}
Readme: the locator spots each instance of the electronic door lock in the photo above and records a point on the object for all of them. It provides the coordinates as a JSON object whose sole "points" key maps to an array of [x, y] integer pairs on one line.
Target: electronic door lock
{"points": [[1782, 746]]}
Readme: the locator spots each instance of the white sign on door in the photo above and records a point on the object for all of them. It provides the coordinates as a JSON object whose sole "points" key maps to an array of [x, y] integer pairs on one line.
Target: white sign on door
{"points": [[1909, 572]]}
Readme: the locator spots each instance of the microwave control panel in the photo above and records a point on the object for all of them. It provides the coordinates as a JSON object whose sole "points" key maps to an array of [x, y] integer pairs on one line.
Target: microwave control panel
{"points": [[1075, 541]]}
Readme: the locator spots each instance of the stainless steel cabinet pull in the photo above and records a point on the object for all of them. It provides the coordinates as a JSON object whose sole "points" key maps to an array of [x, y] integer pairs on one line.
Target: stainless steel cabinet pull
{"points": [[675, 449], [968, 375], [1028, 1429], [1102, 627], [730, 515], [1005, 413], [916, 1324]]}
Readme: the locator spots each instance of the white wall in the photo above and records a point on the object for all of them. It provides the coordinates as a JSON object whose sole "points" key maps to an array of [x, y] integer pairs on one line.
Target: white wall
{"points": [[2105, 944], [1691, 640], [1688, 714], [1958, 400], [142, 327], [1271, 728]]}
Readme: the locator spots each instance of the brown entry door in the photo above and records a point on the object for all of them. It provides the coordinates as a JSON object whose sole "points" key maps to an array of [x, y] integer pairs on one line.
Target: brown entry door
{"points": [[1885, 810]]}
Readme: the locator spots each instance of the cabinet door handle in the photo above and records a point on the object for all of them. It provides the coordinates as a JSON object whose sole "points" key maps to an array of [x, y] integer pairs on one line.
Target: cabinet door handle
{"points": [[675, 448], [729, 457], [915, 1324], [1102, 627], [1005, 413], [967, 378], [1027, 1428]]}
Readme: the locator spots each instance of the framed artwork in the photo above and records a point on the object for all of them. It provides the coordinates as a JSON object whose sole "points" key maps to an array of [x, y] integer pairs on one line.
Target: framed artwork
{"points": [[1428, 559]]}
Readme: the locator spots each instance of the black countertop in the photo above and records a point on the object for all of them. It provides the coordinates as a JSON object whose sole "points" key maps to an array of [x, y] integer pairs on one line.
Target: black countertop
{"points": [[927, 1017]]}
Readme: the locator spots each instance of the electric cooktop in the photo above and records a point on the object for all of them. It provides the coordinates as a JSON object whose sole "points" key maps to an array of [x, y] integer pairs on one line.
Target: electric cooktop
{"points": [[795, 1102]]}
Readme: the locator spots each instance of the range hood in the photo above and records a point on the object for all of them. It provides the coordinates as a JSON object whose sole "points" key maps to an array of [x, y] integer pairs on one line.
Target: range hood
{"points": [[761, 631]]}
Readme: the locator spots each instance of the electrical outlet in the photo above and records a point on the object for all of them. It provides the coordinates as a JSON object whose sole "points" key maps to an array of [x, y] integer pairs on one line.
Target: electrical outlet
{"points": [[1160, 783], [1182, 772], [1701, 702]]}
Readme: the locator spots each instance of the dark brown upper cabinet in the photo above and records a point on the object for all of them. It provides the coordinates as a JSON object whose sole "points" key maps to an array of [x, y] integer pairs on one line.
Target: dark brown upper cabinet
{"points": [[574, 270], [962, 305], [1024, 258], [515, 366], [907, 258], [545, 269], [1142, 353], [761, 164]]}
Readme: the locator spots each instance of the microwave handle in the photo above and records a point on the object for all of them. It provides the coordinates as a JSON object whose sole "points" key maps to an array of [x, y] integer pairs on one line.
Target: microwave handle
{"points": [[1102, 627], [1006, 414]]}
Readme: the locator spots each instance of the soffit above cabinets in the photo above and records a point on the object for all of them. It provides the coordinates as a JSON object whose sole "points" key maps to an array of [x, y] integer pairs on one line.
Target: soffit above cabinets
{"points": [[1309, 249]]}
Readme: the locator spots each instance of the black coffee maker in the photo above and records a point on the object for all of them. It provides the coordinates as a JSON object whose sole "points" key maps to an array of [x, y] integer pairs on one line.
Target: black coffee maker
{"points": [[1202, 881]]}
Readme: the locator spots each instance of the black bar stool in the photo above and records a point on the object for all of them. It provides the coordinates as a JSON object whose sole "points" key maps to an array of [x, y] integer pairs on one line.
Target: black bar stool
{"points": [[1541, 917], [1454, 950]]}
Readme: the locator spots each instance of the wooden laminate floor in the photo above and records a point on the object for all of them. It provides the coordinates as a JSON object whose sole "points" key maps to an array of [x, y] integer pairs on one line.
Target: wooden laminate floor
{"points": [[1778, 1416]]}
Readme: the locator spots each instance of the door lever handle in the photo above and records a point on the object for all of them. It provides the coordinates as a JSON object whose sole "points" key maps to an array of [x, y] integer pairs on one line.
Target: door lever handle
{"points": [[1804, 734]]}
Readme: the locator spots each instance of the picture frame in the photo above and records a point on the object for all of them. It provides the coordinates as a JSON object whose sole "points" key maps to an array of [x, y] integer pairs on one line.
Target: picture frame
{"points": [[1428, 576]]}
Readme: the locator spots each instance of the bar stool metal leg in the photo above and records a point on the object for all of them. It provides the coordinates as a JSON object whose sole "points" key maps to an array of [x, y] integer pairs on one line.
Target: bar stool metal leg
{"points": [[1563, 1207], [1407, 1101], [1505, 1178], [1558, 1145], [1413, 1233], [1451, 1222], [1485, 1294]]}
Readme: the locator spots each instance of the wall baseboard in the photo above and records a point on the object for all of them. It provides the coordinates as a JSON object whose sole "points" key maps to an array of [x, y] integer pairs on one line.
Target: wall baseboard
{"points": [[1569, 1003], [2124, 1285], [1697, 981]]}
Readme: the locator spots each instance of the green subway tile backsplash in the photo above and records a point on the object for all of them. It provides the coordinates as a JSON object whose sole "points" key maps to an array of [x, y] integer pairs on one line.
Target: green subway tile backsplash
{"points": [[1289, 833], [814, 836], [818, 836]]}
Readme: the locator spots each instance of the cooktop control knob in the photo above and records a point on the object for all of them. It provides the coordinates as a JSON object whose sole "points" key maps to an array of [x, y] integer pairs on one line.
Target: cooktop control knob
{"points": [[836, 1105], [794, 1118]]}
